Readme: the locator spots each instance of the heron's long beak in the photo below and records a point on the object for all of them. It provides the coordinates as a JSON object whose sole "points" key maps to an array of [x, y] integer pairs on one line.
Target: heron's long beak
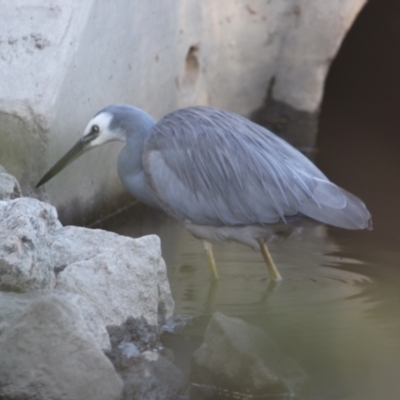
{"points": [[80, 147]]}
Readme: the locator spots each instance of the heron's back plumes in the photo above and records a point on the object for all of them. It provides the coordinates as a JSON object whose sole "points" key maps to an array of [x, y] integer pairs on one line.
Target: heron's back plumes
{"points": [[212, 167]]}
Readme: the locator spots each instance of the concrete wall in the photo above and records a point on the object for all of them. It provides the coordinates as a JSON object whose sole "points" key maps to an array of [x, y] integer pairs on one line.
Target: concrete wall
{"points": [[62, 61]]}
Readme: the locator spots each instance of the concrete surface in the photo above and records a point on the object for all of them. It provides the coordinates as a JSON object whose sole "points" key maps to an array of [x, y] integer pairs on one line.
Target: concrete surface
{"points": [[62, 61]]}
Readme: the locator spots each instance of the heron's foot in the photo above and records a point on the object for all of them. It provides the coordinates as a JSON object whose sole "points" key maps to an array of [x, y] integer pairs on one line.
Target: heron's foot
{"points": [[274, 274], [211, 259]]}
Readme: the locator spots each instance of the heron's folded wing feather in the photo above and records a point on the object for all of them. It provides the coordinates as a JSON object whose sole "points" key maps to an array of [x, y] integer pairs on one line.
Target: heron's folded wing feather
{"points": [[214, 167], [343, 209]]}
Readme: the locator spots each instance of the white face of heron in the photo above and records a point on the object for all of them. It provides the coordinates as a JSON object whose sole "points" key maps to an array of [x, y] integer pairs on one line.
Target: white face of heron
{"points": [[100, 125]]}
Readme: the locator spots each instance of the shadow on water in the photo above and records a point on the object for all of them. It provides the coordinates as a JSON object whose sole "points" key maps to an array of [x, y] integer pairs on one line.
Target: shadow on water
{"points": [[337, 312]]}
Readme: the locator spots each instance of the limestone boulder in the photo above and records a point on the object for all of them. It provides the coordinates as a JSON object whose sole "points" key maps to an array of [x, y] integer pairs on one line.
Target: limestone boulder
{"points": [[119, 276], [13, 305], [121, 282], [26, 229], [9, 186], [48, 353]]}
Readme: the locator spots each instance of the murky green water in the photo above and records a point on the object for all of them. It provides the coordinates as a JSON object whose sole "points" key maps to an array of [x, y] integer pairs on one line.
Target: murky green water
{"points": [[337, 311]]}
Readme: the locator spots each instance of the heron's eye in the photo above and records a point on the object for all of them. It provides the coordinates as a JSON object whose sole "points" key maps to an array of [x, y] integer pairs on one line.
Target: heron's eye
{"points": [[95, 129]]}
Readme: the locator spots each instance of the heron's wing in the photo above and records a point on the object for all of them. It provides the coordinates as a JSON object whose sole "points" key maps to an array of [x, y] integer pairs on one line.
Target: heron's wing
{"points": [[214, 167]]}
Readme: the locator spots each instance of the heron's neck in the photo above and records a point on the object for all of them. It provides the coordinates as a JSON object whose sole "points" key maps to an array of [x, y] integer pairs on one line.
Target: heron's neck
{"points": [[139, 127], [130, 167]]}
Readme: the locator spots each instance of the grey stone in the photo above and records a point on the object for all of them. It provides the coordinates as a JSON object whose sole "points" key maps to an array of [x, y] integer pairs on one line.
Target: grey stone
{"points": [[136, 331], [26, 262], [146, 373], [121, 282], [119, 276], [72, 244], [177, 323], [129, 350], [115, 276], [238, 358], [149, 376], [47, 353], [92, 319], [13, 305], [9, 186], [166, 304]]}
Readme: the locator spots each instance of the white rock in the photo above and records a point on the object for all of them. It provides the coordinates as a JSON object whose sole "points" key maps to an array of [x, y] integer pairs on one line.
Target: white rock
{"points": [[13, 305], [26, 228], [71, 244], [107, 277], [91, 318], [118, 275], [9, 186], [166, 304], [122, 282], [47, 353]]}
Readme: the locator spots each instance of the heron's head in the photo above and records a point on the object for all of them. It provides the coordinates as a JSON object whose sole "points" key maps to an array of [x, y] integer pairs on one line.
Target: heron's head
{"points": [[115, 122], [99, 130]]}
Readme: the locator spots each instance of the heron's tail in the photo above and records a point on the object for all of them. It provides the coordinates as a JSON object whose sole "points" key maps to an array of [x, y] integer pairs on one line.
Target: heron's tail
{"points": [[335, 206]]}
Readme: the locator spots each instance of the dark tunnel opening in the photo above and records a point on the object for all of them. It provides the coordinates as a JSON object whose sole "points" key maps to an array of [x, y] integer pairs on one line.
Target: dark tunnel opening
{"points": [[359, 141]]}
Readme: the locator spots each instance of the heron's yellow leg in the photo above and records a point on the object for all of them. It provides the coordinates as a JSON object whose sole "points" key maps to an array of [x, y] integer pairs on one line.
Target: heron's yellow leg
{"points": [[273, 271], [211, 259]]}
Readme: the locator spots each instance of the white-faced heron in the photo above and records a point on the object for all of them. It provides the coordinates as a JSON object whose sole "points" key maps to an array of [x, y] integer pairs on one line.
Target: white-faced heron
{"points": [[221, 176]]}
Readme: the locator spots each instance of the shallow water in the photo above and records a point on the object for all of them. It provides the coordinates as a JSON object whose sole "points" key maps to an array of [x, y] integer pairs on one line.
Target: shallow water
{"points": [[337, 311]]}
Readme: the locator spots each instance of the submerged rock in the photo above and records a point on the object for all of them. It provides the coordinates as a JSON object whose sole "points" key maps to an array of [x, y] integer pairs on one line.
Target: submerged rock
{"points": [[147, 375], [176, 324], [135, 331], [237, 359], [47, 353]]}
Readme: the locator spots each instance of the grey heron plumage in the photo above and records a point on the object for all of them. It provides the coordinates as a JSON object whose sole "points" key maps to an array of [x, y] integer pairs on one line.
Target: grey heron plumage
{"points": [[218, 174]]}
